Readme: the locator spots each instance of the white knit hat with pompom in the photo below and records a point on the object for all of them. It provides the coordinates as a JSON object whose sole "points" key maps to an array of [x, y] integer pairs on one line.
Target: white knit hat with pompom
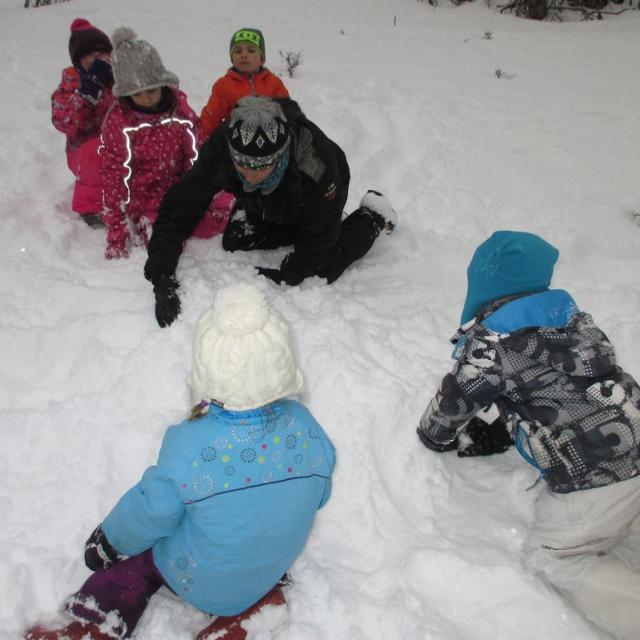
{"points": [[242, 353]]}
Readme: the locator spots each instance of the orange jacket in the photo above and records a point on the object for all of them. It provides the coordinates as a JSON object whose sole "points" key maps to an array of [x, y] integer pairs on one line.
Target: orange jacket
{"points": [[227, 90]]}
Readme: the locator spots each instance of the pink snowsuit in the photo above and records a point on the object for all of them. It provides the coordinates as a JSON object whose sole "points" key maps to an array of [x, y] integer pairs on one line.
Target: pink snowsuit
{"points": [[141, 156], [80, 120]]}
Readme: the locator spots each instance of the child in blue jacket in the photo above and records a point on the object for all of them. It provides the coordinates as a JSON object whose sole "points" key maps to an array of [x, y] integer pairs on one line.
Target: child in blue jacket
{"points": [[231, 501], [572, 411]]}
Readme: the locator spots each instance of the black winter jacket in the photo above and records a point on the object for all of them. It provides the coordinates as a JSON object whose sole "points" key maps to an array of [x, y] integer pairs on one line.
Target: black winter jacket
{"points": [[310, 197]]}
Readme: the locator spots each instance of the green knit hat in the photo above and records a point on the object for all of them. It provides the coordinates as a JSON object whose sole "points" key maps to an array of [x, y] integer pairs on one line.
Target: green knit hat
{"points": [[248, 35]]}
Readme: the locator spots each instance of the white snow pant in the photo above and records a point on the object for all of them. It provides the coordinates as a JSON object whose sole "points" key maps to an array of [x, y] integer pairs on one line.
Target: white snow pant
{"points": [[571, 542]]}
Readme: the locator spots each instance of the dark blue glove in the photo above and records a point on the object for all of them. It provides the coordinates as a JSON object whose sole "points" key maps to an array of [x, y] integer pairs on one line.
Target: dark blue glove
{"points": [[165, 289], [93, 80], [272, 274], [98, 553], [487, 439]]}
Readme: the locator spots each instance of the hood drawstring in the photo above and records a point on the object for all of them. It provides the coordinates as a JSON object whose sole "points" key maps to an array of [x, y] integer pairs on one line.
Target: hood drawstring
{"points": [[522, 441]]}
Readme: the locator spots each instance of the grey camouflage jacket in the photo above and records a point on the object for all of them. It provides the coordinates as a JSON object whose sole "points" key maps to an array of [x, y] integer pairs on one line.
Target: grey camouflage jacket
{"points": [[553, 376]]}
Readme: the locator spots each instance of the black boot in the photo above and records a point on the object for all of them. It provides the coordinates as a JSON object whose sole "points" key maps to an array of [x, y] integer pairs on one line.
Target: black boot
{"points": [[376, 205], [93, 220]]}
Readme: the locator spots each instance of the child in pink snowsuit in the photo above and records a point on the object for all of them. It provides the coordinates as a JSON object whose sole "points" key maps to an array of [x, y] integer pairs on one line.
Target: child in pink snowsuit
{"points": [[78, 107], [150, 138]]}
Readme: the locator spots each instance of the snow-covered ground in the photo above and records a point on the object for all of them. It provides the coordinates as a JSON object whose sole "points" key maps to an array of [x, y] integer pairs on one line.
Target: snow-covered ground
{"points": [[413, 545]]}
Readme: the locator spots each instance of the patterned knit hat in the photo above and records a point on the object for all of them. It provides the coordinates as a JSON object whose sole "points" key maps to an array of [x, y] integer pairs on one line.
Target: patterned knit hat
{"points": [[507, 263], [84, 39], [257, 133], [137, 66], [242, 355], [248, 35]]}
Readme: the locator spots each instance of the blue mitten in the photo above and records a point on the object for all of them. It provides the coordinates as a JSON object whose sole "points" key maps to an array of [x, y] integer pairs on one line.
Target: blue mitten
{"points": [[93, 80]]}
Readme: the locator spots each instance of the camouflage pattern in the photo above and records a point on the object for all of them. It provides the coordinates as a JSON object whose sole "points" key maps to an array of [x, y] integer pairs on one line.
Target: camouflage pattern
{"points": [[557, 388]]}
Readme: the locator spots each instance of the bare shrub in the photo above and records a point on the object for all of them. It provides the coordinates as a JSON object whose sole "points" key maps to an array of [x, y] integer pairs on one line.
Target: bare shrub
{"points": [[292, 60]]}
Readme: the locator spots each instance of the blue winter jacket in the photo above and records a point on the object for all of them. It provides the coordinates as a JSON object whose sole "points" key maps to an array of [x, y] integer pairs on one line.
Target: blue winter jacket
{"points": [[229, 505]]}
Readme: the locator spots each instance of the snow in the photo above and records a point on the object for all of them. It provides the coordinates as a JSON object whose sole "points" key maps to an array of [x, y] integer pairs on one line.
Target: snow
{"points": [[413, 544]]}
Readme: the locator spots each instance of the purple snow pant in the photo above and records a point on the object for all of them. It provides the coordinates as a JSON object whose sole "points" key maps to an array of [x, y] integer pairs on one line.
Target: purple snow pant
{"points": [[117, 597]]}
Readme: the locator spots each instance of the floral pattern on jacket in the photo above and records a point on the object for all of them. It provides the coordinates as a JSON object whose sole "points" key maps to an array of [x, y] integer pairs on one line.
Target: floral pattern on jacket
{"points": [[142, 155], [227, 90], [75, 116], [229, 504]]}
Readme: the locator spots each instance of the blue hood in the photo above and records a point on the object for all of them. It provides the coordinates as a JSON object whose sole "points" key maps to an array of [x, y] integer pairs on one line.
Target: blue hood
{"points": [[508, 263]]}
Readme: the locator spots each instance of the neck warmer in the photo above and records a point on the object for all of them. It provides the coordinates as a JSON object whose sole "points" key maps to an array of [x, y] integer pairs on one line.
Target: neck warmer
{"points": [[269, 184]]}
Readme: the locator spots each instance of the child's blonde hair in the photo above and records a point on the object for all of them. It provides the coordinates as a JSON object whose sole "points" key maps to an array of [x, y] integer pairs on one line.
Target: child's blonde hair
{"points": [[199, 410]]}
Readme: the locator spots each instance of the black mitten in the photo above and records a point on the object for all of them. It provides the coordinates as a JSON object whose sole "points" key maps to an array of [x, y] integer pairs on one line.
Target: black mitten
{"points": [[487, 439], [273, 274], [92, 80], [165, 289], [98, 553]]}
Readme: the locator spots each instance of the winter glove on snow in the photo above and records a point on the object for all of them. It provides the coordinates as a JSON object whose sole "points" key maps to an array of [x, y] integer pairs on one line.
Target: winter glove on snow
{"points": [[98, 553], [272, 274], [436, 446], [93, 80], [117, 237], [486, 439], [165, 289]]}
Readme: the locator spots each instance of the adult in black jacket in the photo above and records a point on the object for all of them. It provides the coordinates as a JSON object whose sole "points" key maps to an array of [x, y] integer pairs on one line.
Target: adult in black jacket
{"points": [[291, 182]]}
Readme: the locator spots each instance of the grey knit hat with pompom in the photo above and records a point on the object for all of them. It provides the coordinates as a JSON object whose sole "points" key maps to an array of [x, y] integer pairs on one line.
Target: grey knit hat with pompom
{"points": [[137, 66]]}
